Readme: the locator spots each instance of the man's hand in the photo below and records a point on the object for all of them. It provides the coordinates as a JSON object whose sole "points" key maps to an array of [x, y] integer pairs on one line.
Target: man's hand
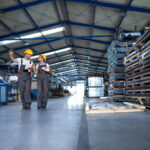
{"points": [[11, 52]]}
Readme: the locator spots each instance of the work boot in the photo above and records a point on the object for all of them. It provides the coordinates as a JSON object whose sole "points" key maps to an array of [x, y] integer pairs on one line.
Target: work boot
{"points": [[28, 107], [24, 106], [44, 107], [39, 107]]}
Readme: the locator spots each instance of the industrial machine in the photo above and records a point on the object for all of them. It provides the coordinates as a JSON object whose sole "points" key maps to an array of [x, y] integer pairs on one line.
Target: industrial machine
{"points": [[4, 86]]}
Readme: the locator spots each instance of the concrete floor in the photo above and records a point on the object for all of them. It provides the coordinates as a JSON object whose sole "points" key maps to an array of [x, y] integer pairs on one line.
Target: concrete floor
{"points": [[64, 126]]}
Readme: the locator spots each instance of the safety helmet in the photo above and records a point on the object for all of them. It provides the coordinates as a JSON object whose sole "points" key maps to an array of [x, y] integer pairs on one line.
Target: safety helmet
{"points": [[43, 56], [28, 51]]}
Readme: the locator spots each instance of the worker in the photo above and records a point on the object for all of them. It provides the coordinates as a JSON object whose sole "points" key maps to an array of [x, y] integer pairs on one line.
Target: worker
{"points": [[24, 81], [41, 70]]}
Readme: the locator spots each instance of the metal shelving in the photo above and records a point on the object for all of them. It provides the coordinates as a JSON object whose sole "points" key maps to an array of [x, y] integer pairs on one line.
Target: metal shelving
{"points": [[116, 54], [137, 71]]}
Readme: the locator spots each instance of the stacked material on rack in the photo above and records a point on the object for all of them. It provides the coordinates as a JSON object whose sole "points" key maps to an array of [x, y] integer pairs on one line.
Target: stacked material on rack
{"points": [[105, 107], [137, 71], [116, 53]]}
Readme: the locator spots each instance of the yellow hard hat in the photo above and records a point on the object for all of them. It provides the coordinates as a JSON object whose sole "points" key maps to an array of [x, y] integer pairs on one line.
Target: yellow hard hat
{"points": [[28, 51], [43, 56]]}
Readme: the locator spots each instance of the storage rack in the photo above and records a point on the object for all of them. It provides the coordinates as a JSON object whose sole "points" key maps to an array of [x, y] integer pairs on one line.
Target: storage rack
{"points": [[137, 71], [116, 53]]}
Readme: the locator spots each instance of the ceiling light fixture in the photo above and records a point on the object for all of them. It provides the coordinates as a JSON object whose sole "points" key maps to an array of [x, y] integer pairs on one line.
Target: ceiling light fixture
{"points": [[34, 35], [54, 52], [62, 62]]}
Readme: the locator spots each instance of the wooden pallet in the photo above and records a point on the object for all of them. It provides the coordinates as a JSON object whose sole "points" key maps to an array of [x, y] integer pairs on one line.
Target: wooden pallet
{"points": [[138, 71], [117, 80], [144, 50], [146, 82], [114, 95], [132, 65], [140, 43], [132, 58], [130, 108], [138, 68], [128, 74], [138, 86], [140, 76], [145, 67], [116, 73], [112, 88], [115, 58], [114, 66], [139, 91], [138, 99], [141, 83]]}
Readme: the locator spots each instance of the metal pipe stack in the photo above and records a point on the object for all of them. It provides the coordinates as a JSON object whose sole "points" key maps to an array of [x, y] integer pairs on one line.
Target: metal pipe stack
{"points": [[116, 53]]}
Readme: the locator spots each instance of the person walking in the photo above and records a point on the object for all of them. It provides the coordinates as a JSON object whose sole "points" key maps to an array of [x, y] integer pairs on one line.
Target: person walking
{"points": [[41, 70], [24, 80]]}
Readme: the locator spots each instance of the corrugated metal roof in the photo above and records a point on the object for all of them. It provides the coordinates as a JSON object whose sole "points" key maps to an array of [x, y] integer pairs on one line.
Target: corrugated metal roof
{"points": [[80, 18]]}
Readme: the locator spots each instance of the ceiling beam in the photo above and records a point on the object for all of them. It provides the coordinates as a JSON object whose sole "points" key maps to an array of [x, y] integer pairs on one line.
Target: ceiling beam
{"points": [[59, 19], [32, 30], [104, 4], [90, 49], [45, 42], [68, 71], [56, 38], [102, 58], [10, 31], [76, 74], [91, 26], [25, 5], [92, 61], [96, 41], [91, 65], [68, 64], [80, 64], [60, 23], [113, 5], [71, 74], [122, 18], [97, 57], [79, 54], [34, 23], [29, 46]]}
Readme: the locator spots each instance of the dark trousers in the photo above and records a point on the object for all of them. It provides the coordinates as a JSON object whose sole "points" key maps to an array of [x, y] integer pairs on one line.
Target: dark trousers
{"points": [[42, 86], [25, 90]]}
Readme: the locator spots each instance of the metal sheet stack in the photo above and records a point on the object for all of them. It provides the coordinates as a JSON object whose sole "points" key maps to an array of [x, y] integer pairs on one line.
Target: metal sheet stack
{"points": [[116, 53], [95, 86], [137, 71]]}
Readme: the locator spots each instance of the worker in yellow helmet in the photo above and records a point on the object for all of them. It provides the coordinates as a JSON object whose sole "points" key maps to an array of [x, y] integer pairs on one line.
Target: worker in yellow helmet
{"points": [[41, 70], [24, 81]]}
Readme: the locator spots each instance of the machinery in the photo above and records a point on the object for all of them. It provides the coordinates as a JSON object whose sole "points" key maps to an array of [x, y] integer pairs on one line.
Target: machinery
{"points": [[4, 86]]}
